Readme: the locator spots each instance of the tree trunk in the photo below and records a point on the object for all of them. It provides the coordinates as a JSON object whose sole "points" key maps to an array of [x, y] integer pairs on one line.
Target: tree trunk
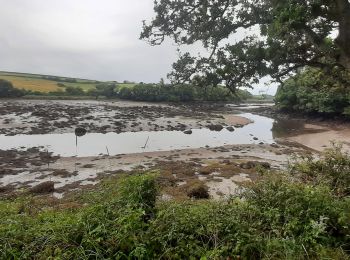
{"points": [[343, 39]]}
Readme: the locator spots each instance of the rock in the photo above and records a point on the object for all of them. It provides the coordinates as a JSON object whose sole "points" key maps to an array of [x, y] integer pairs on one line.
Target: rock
{"points": [[188, 132], [80, 131], [215, 127], [226, 161], [261, 143], [274, 145], [253, 164], [43, 188], [255, 138], [238, 125], [230, 129], [204, 171]]}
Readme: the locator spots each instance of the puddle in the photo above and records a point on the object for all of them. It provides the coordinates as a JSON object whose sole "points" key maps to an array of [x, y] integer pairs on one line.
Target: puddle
{"points": [[94, 144]]}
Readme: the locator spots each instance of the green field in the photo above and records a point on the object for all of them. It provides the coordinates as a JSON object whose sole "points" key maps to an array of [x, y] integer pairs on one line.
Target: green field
{"points": [[45, 83]]}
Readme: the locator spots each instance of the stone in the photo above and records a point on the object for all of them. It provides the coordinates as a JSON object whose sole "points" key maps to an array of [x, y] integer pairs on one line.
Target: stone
{"points": [[217, 128], [188, 132]]}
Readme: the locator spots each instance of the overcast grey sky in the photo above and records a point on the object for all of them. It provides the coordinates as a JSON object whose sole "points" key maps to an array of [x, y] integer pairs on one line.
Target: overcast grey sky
{"points": [[94, 39]]}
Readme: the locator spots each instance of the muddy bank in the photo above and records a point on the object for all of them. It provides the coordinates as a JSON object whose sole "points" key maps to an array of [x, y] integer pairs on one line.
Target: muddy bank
{"points": [[43, 117], [314, 132], [71, 173], [219, 167]]}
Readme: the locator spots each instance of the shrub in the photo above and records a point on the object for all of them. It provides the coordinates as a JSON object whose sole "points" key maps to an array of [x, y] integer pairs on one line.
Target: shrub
{"points": [[332, 169], [8, 91], [106, 90], [74, 91], [278, 216]]}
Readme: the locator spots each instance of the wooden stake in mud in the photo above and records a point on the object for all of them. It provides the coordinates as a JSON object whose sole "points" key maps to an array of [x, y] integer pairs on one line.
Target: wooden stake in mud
{"points": [[144, 147]]}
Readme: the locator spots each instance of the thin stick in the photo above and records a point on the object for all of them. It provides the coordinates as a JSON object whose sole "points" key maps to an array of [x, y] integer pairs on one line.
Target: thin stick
{"points": [[144, 147], [109, 160]]}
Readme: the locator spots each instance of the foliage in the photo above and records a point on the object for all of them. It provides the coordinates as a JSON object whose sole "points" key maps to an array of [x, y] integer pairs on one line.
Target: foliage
{"points": [[107, 90], [315, 91], [279, 216], [74, 91], [179, 93], [332, 170], [289, 35], [8, 91]]}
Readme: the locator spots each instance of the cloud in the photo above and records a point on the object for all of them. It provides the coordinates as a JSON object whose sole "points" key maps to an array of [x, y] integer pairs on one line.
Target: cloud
{"points": [[81, 38]]}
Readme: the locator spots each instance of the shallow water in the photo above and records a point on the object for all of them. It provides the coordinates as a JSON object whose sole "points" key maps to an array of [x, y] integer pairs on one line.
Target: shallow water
{"points": [[93, 144]]}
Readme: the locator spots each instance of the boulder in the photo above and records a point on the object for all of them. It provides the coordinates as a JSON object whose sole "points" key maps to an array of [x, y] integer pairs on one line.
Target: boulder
{"points": [[253, 164], [217, 128], [188, 132], [80, 131]]}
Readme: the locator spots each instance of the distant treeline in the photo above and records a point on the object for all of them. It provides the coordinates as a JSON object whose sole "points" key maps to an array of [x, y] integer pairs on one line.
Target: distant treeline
{"points": [[179, 93], [141, 92]]}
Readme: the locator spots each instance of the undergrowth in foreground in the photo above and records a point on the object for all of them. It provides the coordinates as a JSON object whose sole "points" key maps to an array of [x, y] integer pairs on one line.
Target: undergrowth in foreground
{"points": [[304, 215]]}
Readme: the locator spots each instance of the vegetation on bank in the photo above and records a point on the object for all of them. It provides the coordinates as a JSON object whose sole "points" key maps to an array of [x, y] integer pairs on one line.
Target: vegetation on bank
{"points": [[179, 93], [303, 213], [316, 91], [8, 91], [138, 92]]}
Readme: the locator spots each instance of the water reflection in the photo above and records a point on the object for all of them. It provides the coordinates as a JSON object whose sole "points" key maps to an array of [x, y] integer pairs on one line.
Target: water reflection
{"points": [[92, 144], [285, 128]]}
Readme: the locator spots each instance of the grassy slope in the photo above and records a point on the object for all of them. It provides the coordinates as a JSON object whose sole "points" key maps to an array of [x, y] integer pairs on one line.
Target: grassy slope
{"points": [[36, 82]]}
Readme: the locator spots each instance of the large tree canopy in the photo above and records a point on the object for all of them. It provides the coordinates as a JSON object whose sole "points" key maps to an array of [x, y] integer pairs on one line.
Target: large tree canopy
{"points": [[291, 34]]}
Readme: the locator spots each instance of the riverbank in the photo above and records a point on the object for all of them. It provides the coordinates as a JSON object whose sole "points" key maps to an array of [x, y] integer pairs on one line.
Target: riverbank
{"points": [[38, 144]]}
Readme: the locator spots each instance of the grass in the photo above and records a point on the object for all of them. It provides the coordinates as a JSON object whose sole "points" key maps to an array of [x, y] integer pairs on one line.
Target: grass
{"points": [[83, 85], [33, 84], [36, 82], [127, 85]]}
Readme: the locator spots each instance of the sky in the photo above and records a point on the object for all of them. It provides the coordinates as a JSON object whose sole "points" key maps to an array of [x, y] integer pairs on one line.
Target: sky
{"points": [[93, 39]]}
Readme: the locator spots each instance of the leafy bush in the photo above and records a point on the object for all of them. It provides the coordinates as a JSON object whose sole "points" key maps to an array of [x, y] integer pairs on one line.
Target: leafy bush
{"points": [[332, 169], [279, 216], [316, 91], [74, 91], [106, 90]]}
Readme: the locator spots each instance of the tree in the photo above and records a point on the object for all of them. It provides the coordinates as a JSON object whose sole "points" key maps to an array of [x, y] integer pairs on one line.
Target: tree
{"points": [[290, 35], [7, 90], [106, 89], [313, 91], [74, 91]]}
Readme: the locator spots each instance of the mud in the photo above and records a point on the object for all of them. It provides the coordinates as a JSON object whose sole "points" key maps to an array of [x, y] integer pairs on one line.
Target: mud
{"points": [[43, 117], [217, 171]]}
